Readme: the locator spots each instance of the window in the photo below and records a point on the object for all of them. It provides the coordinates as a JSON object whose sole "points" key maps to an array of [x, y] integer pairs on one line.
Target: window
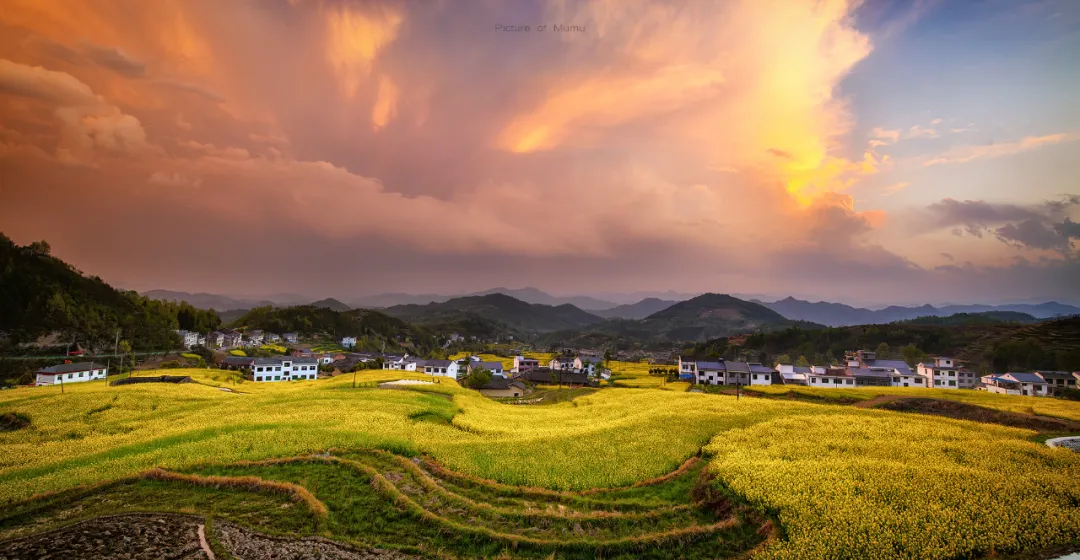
{"points": [[755, 377], [277, 378], [69, 376], [277, 368], [952, 383], [258, 378], [82, 373]]}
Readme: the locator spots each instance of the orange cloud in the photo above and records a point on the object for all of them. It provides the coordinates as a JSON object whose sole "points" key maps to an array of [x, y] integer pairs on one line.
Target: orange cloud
{"points": [[354, 39], [385, 107]]}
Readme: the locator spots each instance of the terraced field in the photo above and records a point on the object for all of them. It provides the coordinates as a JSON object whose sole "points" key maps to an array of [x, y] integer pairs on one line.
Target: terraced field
{"points": [[375, 499]]}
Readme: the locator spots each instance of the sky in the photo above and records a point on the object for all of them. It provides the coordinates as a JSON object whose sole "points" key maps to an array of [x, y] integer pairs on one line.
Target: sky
{"points": [[887, 152]]}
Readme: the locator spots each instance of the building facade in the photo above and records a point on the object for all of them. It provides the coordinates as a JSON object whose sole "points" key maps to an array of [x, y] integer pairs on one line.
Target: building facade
{"points": [[284, 368], [70, 373]]}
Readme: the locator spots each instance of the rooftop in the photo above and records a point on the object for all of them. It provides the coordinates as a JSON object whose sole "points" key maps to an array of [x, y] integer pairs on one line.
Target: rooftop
{"points": [[69, 368]]}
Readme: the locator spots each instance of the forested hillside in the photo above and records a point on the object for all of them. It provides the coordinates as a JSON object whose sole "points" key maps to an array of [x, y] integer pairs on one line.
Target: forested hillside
{"points": [[516, 316], [42, 295], [375, 330], [995, 347]]}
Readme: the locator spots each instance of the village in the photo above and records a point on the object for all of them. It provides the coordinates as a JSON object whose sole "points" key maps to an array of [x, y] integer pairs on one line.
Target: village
{"points": [[861, 368]]}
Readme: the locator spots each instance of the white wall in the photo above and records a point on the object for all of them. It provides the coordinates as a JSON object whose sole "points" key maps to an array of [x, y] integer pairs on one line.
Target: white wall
{"points": [[73, 377], [290, 372]]}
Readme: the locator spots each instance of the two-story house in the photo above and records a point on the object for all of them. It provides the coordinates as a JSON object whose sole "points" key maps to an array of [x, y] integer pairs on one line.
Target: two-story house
{"points": [[1024, 384], [284, 368], [1057, 381], [523, 364]]}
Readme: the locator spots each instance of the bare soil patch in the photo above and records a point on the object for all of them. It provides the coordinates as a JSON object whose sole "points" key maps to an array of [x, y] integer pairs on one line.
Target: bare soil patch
{"points": [[963, 411]]}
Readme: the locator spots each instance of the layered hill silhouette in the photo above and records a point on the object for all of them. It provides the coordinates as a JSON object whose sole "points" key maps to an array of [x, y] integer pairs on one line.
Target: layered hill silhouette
{"points": [[840, 315], [499, 309]]}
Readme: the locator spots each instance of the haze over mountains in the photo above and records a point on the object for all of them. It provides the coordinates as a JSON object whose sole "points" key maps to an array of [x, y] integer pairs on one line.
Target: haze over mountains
{"points": [[823, 313]]}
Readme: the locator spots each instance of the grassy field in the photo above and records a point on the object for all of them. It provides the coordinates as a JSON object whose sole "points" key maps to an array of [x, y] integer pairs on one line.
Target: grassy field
{"points": [[837, 481]]}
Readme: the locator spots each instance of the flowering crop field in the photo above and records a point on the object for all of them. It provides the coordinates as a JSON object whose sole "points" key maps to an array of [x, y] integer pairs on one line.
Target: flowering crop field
{"points": [[842, 482], [1059, 408]]}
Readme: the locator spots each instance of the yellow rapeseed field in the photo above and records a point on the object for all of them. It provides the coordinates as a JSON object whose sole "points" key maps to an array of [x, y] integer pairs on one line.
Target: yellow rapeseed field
{"points": [[844, 482]]}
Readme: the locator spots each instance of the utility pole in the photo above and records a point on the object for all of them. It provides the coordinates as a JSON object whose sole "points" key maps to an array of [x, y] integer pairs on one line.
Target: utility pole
{"points": [[116, 350]]}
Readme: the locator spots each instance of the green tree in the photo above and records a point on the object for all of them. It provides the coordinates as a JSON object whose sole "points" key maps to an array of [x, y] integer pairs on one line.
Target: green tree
{"points": [[882, 351], [802, 362], [478, 378], [912, 355], [783, 359]]}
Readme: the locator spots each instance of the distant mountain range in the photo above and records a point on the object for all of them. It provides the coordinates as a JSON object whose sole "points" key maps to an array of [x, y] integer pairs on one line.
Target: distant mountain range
{"points": [[840, 315], [639, 310], [528, 295], [697, 319], [823, 313], [495, 309], [208, 301]]}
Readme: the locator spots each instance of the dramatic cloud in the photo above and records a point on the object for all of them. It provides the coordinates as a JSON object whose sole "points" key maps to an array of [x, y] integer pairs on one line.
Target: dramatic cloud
{"points": [[87, 122], [1033, 226], [115, 59], [47, 85], [377, 142]]}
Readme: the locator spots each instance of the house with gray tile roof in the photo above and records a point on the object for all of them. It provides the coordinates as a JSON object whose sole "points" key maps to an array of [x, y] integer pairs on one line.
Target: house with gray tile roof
{"points": [[1016, 383], [70, 373]]}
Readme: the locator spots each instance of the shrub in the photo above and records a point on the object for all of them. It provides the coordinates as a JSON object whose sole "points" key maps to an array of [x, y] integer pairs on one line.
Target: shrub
{"points": [[11, 421]]}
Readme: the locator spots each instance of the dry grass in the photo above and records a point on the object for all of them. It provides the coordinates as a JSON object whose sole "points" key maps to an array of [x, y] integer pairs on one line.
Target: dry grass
{"points": [[250, 483]]}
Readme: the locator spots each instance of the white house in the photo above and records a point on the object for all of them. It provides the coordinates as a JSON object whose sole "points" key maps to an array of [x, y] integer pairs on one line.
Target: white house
{"points": [[588, 364], [1025, 384], [761, 375], [215, 339], [908, 379], [348, 342], [232, 339], [496, 368], [70, 373], [792, 375], [284, 368], [833, 377], [705, 372], [291, 337], [255, 337], [561, 363], [190, 338], [441, 368], [273, 337], [945, 373], [523, 364], [391, 361], [414, 364], [687, 368]]}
